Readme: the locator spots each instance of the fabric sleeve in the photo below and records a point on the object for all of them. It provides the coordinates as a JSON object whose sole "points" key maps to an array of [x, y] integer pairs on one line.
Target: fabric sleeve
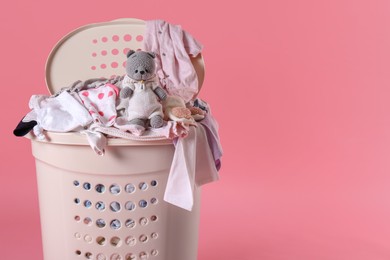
{"points": [[191, 45]]}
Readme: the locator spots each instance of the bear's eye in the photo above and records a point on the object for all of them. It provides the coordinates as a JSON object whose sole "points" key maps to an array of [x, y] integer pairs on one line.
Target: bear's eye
{"points": [[136, 71], [147, 71]]}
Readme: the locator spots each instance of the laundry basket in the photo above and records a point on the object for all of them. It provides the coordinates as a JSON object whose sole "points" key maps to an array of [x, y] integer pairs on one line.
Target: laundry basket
{"points": [[107, 207]]}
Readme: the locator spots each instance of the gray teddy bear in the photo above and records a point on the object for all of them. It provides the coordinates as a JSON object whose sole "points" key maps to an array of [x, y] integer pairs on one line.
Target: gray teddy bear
{"points": [[142, 91]]}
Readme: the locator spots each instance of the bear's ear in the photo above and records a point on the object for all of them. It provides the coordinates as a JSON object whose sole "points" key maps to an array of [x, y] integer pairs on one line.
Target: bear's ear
{"points": [[131, 52], [152, 54]]}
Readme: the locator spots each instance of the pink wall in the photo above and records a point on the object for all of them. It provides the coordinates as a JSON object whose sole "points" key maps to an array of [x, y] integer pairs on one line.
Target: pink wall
{"points": [[301, 91]]}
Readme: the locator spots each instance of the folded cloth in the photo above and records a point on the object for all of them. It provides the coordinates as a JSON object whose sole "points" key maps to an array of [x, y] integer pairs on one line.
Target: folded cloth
{"points": [[98, 141], [79, 85], [169, 130]]}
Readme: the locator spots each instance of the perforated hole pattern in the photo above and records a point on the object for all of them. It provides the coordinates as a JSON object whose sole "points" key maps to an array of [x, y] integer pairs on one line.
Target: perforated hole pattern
{"points": [[112, 53], [109, 201]]}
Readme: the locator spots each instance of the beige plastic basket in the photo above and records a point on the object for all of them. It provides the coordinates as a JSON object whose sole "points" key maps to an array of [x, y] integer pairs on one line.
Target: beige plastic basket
{"points": [[110, 207]]}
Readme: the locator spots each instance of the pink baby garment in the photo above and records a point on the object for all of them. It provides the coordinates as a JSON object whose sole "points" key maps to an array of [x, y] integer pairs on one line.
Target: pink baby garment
{"points": [[100, 102], [192, 166], [174, 48]]}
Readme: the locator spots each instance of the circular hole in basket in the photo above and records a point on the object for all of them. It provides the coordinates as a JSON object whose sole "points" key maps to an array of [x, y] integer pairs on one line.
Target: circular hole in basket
{"points": [[130, 256], [143, 255], [154, 252], [143, 238], [77, 200], [143, 221], [77, 218], [100, 206], [100, 223], [153, 218], [125, 51], [130, 223], [139, 38], [115, 206], [153, 183], [115, 189], [130, 188], [87, 185], [76, 183], [100, 188], [115, 257], [114, 51], [154, 235], [101, 240], [87, 221], [127, 37], [153, 201], [143, 203], [114, 64], [88, 238], [115, 241], [143, 186], [78, 252], [130, 205], [115, 224], [130, 241], [101, 257], [87, 203], [88, 255]]}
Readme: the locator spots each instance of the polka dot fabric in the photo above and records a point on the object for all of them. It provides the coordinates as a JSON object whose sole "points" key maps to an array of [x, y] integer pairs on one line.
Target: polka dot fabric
{"points": [[100, 102]]}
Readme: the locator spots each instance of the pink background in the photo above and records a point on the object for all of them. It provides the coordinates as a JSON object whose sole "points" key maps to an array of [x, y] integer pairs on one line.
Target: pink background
{"points": [[301, 91]]}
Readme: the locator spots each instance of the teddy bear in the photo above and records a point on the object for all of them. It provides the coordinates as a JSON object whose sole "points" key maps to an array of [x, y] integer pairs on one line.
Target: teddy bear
{"points": [[141, 92]]}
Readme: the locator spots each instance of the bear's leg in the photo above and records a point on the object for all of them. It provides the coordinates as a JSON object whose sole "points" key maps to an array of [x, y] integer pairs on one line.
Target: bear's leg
{"points": [[156, 121], [137, 126], [138, 121]]}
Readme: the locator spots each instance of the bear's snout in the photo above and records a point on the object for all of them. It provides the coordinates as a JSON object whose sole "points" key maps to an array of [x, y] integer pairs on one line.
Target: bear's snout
{"points": [[140, 71]]}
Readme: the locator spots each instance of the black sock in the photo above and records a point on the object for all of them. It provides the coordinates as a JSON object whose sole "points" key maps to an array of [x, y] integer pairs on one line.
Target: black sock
{"points": [[24, 127]]}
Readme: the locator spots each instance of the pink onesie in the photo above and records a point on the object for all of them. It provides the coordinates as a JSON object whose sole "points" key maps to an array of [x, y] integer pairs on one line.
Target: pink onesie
{"points": [[100, 102], [173, 47]]}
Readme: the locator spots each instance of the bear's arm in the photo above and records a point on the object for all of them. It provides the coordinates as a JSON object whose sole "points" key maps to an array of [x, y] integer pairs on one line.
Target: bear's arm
{"points": [[162, 95], [126, 92]]}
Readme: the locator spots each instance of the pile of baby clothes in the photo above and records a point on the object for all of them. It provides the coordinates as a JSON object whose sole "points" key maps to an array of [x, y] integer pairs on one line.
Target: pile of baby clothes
{"points": [[90, 108]]}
